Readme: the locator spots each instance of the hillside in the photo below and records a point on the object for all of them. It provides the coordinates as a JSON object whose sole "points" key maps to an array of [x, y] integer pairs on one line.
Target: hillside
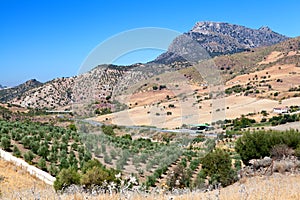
{"points": [[18, 91], [261, 79], [219, 39], [108, 86]]}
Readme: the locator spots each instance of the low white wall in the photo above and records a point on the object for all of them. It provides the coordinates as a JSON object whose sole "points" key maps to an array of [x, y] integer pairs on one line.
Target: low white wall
{"points": [[40, 174]]}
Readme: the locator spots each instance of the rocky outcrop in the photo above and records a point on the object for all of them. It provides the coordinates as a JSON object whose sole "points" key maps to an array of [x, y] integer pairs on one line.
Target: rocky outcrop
{"points": [[267, 166]]}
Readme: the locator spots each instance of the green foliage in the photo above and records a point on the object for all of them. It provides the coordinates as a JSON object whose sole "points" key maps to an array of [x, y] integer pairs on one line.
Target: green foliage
{"points": [[237, 89], [42, 164], [90, 164], [242, 122], [103, 111], [108, 130], [259, 143], [29, 156], [16, 151], [66, 177], [72, 127], [283, 119], [53, 170], [43, 151], [97, 175], [5, 143], [217, 165], [63, 162], [92, 173]]}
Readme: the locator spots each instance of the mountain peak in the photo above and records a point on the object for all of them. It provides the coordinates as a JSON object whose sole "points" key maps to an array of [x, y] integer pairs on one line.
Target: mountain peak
{"points": [[32, 82], [219, 38], [265, 28]]}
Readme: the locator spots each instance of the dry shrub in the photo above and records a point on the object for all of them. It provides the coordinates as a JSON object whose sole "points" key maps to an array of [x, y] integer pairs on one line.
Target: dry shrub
{"points": [[281, 150]]}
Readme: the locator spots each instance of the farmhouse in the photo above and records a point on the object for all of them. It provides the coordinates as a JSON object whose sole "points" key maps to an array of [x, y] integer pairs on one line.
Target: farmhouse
{"points": [[281, 110]]}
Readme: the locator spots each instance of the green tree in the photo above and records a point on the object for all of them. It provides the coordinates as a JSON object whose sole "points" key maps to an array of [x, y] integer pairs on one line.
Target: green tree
{"points": [[63, 163], [26, 142], [29, 156], [42, 164], [97, 175], [217, 165], [5, 143], [108, 130], [65, 178], [34, 146], [53, 170], [43, 151], [16, 151]]}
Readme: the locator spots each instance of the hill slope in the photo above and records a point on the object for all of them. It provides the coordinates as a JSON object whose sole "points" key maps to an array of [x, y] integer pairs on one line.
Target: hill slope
{"points": [[15, 92]]}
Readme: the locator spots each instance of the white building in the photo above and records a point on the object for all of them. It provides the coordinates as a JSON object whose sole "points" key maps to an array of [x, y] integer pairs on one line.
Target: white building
{"points": [[281, 110]]}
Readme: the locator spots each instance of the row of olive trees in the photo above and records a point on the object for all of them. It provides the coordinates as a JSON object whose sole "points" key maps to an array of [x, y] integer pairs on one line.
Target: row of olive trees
{"points": [[48, 147]]}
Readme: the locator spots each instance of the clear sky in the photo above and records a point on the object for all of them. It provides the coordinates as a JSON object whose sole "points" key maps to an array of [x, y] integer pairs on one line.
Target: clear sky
{"points": [[44, 39]]}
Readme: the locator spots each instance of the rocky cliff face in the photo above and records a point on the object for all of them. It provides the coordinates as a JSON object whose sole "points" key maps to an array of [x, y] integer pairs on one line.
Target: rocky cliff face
{"points": [[219, 39]]}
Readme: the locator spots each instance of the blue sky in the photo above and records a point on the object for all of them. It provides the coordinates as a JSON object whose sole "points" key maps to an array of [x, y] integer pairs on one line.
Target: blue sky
{"points": [[44, 39]]}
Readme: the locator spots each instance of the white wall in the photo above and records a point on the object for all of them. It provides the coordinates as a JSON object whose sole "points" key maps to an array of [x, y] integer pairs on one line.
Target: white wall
{"points": [[40, 174]]}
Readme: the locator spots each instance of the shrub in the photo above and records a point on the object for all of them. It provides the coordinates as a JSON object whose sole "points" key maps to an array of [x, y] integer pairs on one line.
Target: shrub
{"points": [[42, 164], [65, 178], [29, 156], [108, 130], [180, 178], [280, 150], [217, 165], [260, 143], [5, 143], [16, 151], [96, 176]]}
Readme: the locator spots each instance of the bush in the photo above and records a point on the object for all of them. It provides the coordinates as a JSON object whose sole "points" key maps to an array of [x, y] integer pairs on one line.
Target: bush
{"points": [[281, 150], [16, 151], [108, 130], [96, 176], [65, 178], [29, 156], [5, 143], [180, 178], [217, 165], [42, 164], [260, 143], [90, 164]]}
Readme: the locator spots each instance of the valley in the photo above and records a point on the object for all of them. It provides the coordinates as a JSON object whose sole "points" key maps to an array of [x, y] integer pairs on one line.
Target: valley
{"points": [[169, 127]]}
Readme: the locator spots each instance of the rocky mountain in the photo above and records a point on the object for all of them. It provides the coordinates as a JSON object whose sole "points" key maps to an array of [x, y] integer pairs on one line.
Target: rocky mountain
{"points": [[96, 88], [15, 92], [218, 39]]}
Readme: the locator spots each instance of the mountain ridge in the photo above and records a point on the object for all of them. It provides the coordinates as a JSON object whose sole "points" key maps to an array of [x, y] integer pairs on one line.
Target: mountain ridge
{"points": [[219, 38], [105, 79]]}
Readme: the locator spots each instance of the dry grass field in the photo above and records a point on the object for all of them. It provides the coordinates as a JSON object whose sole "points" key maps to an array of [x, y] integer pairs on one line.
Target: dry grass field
{"points": [[16, 183], [150, 107]]}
